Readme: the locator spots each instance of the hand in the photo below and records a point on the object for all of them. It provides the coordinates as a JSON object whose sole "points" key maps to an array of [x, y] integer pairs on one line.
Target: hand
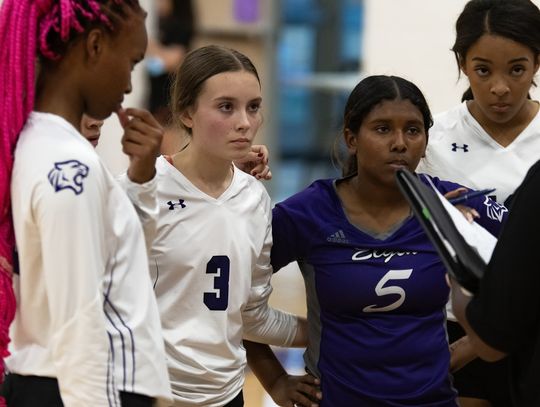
{"points": [[469, 213], [256, 163], [141, 142], [461, 353], [296, 391]]}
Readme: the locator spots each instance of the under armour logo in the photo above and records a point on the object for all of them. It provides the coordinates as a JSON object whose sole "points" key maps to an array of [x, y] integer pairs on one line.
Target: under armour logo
{"points": [[464, 147], [172, 204]]}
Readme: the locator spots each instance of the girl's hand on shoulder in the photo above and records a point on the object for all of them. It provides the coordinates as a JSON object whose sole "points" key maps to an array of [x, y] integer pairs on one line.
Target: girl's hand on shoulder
{"points": [[469, 213], [296, 391], [141, 142], [256, 163]]}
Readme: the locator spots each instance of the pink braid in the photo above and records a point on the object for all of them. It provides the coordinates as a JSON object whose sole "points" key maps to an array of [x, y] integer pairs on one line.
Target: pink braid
{"points": [[16, 79]]}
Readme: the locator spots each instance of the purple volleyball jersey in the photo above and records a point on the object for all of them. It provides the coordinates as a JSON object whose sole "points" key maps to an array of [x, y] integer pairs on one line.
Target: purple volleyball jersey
{"points": [[376, 305]]}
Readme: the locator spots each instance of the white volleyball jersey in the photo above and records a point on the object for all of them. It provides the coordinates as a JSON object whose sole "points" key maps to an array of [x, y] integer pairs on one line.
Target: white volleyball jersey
{"points": [[210, 264], [460, 150], [86, 313]]}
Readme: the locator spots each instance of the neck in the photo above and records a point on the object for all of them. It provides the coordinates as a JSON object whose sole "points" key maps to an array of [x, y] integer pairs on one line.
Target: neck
{"points": [[373, 207], [209, 174], [373, 195], [56, 94]]}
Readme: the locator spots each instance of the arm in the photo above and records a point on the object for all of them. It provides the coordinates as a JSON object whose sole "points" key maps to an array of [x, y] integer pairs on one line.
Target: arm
{"points": [[478, 347], [461, 353], [170, 55], [263, 323], [141, 141], [285, 390], [74, 249]]}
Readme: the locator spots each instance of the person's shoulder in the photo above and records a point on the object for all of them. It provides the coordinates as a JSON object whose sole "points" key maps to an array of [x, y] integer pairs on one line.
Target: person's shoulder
{"points": [[442, 186], [318, 192], [247, 184], [447, 121]]}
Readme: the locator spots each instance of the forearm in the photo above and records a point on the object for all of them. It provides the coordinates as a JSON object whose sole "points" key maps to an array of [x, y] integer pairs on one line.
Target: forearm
{"points": [[460, 300], [267, 325], [264, 364], [461, 353]]}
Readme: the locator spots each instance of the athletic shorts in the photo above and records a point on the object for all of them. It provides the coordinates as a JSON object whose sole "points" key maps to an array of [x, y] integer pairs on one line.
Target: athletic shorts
{"points": [[34, 391]]}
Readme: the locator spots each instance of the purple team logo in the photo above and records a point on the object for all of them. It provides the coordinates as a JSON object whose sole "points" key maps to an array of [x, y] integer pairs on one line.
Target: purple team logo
{"points": [[68, 175], [494, 210]]}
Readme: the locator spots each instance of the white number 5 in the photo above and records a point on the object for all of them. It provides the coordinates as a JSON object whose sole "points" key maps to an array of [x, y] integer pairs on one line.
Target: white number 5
{"points": [[393, 289]]}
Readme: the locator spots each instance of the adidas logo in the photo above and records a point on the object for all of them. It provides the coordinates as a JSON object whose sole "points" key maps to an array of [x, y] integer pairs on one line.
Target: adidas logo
{"points": [[338, 237]]}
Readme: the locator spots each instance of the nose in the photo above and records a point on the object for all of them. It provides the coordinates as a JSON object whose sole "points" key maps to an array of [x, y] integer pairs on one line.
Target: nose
{"points": [[399, 144], [243, 123], [499, 86]]}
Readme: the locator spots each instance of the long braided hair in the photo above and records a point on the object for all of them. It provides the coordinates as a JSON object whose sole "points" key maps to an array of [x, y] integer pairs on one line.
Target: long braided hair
{"points": [[32, 31]]}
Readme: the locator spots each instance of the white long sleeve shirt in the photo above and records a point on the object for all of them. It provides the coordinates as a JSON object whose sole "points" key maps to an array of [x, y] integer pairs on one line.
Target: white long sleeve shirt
{"points": [[86, 313]]}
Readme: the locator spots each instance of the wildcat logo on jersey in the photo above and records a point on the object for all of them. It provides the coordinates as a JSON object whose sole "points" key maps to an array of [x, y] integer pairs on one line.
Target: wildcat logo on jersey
{"points": [[68, 175], [366, 254], [464, 147], [173, 205], [494, 210]]}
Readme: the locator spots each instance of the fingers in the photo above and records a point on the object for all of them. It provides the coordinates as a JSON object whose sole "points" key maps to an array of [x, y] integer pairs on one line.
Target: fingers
{"points": [[261, 172], [262, 152], [122, 117], [307, 391], [141, 142], [469, 213], [143, 115], [455, 193]]}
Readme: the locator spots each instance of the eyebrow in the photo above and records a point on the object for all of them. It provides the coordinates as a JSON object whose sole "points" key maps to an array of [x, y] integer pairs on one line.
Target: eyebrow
{"points": [[230, 99], [512, 61]]}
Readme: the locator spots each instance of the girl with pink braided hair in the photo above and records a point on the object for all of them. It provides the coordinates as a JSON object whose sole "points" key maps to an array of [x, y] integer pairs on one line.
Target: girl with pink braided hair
{"points": [[86, 330]]}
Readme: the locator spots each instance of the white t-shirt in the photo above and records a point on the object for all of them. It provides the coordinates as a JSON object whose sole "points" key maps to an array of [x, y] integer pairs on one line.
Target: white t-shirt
{"points": [[210, 264], [460, 150], [86, 313]]}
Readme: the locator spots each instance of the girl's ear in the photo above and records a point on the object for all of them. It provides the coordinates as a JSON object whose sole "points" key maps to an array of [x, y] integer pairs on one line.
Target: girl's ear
{"points": [[537, 64], [95, 41], [350, 141], [186, 119]]}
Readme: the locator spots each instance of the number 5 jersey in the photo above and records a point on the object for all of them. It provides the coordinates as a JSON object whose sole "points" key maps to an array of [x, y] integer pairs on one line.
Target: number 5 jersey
{"points": [[375, 303]]}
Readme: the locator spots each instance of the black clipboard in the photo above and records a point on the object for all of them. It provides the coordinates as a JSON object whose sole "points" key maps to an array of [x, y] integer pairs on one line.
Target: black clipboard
{"points": [[461, 260]]}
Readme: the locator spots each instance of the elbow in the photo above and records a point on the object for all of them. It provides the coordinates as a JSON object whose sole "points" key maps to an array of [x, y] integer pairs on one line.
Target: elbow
{"points": [[485, 351]]}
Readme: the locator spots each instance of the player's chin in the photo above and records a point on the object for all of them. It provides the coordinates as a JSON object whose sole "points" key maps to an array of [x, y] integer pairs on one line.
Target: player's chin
{"points": [[240, 151]]}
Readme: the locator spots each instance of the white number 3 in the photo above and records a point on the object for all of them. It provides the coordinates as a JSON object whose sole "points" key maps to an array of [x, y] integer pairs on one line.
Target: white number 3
{"points": [[393, 289]]}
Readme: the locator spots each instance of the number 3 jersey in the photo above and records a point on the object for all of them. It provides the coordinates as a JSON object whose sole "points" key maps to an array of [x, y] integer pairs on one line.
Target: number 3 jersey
{"points": [[375, 304], [210, 263]]}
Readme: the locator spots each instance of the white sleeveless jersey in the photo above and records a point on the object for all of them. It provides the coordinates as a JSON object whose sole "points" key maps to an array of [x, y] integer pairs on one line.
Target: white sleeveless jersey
{"points": [[86, 313], [460, 150], [210, 264]]}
